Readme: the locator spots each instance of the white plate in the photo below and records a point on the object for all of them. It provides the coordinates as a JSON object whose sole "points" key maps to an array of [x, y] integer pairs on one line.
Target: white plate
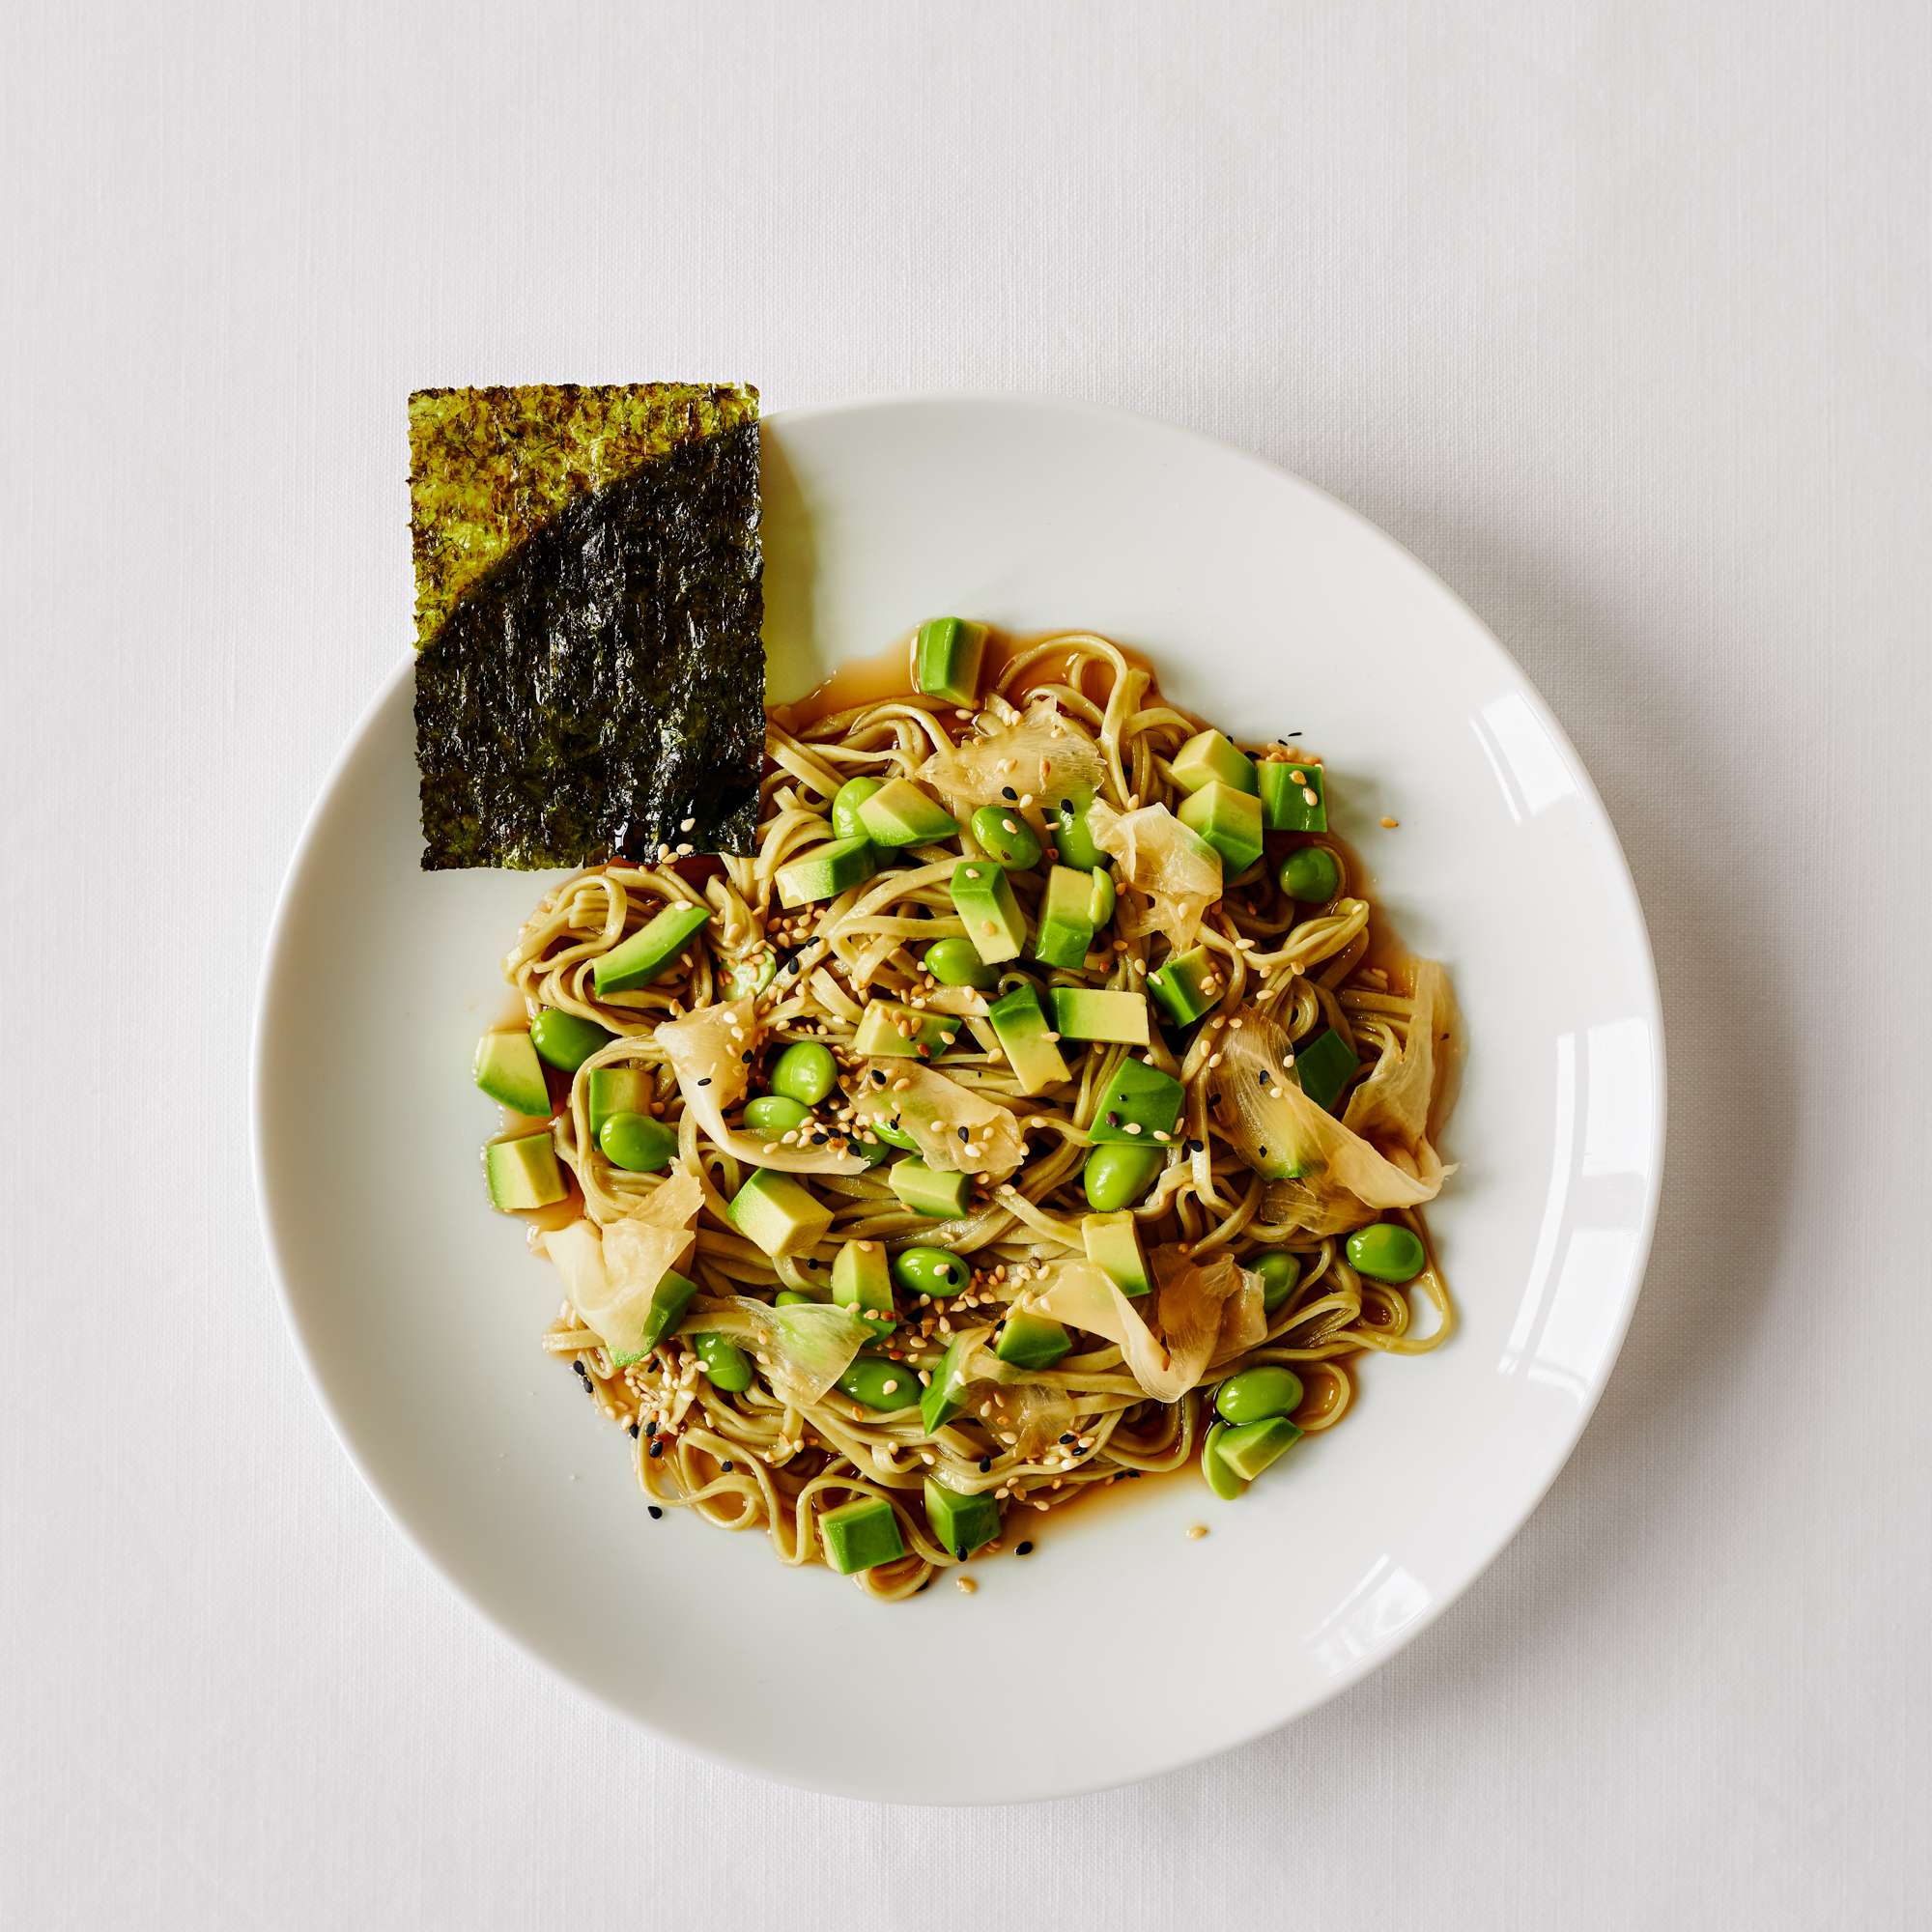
{"points": [[1121, 1648]]}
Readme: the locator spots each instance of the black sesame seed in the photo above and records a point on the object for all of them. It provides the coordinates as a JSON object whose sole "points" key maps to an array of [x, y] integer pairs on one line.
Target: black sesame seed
{"points": [[878, 1076], [818, 1140], [746, 1056], [633, 1432], [1066, 805], [1262, 1154], [985, 1466], [650, 1428], [1023, 1549], [705, 1081], [1007, 791], [580, 1368], [964, 1135], [811, 1263], [1067, 1438], [1113, 1120], [725, 1466], [657, 1514], [657, 1448], [589, 1388]]}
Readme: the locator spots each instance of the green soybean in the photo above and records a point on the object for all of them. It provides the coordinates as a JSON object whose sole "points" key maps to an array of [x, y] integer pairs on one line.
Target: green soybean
{"points": [[932, 1271], [895, 1135], [954, 962], [750, 976], [805, 1072], [874, 1383], [1313, 874], [1117, 1176], [1071, 838], [846, 803], [725, 1362], [775, 1113], [636, 1142], [790, 1298], [1256, 1393], [1221, 1479], [1386, 1252], [1279, 1272], [1005, 838], [566, 1040]]}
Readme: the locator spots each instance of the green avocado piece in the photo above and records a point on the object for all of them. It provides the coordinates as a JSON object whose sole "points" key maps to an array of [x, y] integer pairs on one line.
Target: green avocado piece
{"points": [[1112, 1244], [1032, 1342], [1209, 759], [890, 1031], [1101, 898], [1221, 1479], [648, 950], [1323, 1067], [945, 1394], [1085, 1012], [928, 1190], [1138, 1103], [673, 1296], [846, 803], [1249, 1448], [946, 659], [522, 1172], [904, 813], [983, 896], [861, 1535], [1073, 838], [618, 1089], [1022, 1028], [959, 1522], [1180, 984], [1066, 918], [777, 1214], [827, 871], [1230, 820], [509, 1070], [862, 1281], [1286, 802]]}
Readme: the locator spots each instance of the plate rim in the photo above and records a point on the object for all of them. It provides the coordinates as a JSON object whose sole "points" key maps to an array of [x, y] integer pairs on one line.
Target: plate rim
{"points": [[272, 962]]}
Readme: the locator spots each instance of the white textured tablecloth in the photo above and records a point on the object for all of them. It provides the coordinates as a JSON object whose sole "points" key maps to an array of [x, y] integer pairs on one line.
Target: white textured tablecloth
{"points": [[1616, 314]]}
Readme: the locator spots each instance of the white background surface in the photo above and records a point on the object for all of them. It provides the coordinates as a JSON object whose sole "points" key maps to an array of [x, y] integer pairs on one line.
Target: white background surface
{"points": [[1618, 316]]}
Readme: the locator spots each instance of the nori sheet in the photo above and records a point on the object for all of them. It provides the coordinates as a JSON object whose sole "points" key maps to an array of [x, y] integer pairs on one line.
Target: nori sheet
{"points": [[590, 674]]}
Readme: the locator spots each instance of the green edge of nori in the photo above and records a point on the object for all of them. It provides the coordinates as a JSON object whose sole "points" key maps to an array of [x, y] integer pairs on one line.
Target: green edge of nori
{"points": [[602, 683]]}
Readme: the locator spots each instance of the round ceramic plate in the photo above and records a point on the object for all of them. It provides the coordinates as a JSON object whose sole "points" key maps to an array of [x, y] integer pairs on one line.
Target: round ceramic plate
{"points": [[1267, 608]]}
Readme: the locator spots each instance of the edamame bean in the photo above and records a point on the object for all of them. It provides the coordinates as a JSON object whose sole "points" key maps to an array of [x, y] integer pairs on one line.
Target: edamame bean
{"points": [[846, 803], [954, 962], [1313, 874], [1387, 1251], [874, 1383], [566, 1040], [750, 976], [775, 1113], [805, 1072], [1072, 840], [1279, 1272], [725, 1362], [1221, 1479], [929, 1271], [1256, 1393], [636, 1142], [1100, 904], [790, 1298], [1005, 838], [1117, 1176], [895, 1135]]}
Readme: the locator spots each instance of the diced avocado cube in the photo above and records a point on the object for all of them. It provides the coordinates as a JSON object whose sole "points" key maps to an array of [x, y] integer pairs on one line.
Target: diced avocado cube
{"points": [[1249, 1448], [1221, 1479], [1100, 898], [673, 1296], [1083, 1012], [983, 896], [959, 1522], [522, 1172], [618, 1089], [1032, 1342], [1230, 820], [946, 659], [846, 803], [890, 1031], [1138, 1103], [1294, 798], [1180, 984], [1209, 758], [904, 813], [861, 1535], [862, 1280], [1066, 918], [927, 1190], [509, 1070], [945, 1395], [645, 955], [826, 871], [1025, 1037], [1112, 1244], [1323, 1067], [777, 1214], [1073, 837]]}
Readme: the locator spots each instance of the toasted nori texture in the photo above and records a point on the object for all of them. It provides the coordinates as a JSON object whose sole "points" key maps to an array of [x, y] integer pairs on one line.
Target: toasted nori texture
{"points": [[591, 673]]}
